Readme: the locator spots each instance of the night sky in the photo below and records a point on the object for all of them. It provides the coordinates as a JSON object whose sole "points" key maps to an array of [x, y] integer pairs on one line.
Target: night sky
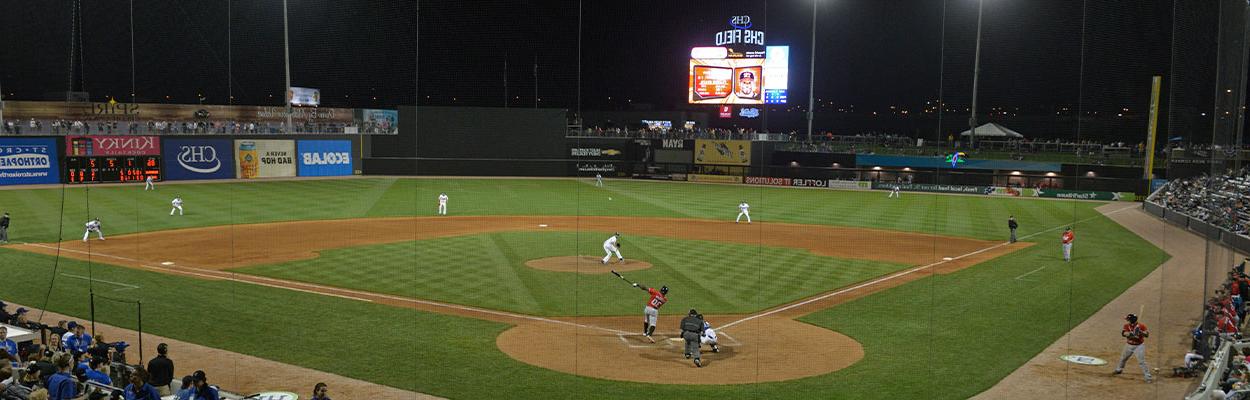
{"points": [[871, 54]]}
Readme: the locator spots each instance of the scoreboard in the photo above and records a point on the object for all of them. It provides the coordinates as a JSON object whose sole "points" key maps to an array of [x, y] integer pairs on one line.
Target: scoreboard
{"points": [[106, 169]]}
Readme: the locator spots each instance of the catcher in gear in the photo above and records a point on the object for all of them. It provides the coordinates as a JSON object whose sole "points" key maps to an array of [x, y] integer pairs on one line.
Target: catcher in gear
{"points": [[1135, 334]]}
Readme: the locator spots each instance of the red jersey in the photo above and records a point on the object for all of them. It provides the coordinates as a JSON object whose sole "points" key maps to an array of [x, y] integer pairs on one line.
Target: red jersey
{"points": [[1226, 325], [1068, 237], [657, 299], [1135, 339]]}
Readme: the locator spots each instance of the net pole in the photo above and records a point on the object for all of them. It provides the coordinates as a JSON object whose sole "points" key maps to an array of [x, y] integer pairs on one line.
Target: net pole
{"points": [[811, 76], [140, 307], [286, 56]]}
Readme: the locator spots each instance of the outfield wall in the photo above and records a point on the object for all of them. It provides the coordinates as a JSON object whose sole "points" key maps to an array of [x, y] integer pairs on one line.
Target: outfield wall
{"points": [[115, 159]]}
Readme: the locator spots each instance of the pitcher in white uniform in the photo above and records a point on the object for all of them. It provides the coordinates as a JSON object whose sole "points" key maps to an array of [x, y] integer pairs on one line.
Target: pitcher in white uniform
{"points": [[442, 204], [177, 203], [611, 246], [742, 212], [93, 226]]}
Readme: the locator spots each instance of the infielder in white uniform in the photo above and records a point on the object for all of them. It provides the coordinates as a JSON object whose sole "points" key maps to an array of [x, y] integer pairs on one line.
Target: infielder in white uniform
{"points": [[893, 192], [93, 226], [599, 180], [742, 212], [709, 336], [612, 246], [148, 185], [177, 203], [442, 204]]}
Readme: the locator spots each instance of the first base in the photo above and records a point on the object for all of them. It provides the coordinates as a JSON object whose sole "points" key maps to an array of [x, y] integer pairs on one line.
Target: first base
{"points": [[947, 258]]}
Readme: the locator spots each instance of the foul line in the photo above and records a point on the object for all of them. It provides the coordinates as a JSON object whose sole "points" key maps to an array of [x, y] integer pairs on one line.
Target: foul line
{"points": [[123, 285], [904, 273], [211, 274]]}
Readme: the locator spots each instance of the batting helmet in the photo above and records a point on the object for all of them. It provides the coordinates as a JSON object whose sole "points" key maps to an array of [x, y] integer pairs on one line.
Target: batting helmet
{"points": [[1131, 318], [663, 289]]}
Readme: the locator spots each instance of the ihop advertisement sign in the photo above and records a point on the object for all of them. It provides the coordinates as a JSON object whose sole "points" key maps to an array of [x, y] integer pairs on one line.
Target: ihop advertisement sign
{"points": [[324, 157], [28, 161], [187, 159]]}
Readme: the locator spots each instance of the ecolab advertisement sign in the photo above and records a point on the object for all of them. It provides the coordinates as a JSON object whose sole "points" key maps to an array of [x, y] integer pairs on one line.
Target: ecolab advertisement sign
{"points": [[28, 161], [324, 157], [187, 159]]}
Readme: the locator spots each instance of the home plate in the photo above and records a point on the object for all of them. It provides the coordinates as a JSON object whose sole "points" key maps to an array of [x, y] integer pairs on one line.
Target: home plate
{"points": [[167, 263], [542, 225], [947, 258]]}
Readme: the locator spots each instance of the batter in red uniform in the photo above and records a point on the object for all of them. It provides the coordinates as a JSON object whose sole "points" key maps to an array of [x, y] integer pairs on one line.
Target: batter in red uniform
{"points": [[651, 313], [1135, 334]]}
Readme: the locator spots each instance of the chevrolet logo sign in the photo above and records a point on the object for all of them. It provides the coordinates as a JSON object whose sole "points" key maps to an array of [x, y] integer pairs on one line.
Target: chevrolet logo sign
{"points": [[611, 152]]}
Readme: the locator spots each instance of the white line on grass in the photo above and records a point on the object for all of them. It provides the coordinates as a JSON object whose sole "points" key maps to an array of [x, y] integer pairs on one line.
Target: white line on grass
{"points": [[123, 285], [205, 273], [1030, 272], [904, 273]]}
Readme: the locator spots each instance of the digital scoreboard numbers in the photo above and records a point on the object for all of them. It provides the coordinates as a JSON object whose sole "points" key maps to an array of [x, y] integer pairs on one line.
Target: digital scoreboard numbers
{"points": [[109, 169]]}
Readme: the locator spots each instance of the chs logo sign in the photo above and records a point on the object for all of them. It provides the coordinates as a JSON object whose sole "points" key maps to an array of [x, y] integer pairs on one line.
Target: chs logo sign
{"points": [[339, 158], [199, 159]]}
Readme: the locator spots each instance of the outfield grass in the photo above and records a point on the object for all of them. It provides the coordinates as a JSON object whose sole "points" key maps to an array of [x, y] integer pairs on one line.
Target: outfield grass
{"points": [[942, 337], [489, 272]]}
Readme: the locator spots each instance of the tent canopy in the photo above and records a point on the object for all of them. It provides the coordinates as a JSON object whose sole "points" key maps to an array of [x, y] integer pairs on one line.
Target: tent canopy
{"points": [[993, 130]]}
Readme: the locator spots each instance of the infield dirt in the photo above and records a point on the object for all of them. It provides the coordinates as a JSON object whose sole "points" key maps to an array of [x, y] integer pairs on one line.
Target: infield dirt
{"points": [[767, 346]]}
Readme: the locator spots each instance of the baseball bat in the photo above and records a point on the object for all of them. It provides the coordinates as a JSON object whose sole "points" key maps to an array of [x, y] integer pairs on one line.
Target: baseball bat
{"points": [[618, 275]]}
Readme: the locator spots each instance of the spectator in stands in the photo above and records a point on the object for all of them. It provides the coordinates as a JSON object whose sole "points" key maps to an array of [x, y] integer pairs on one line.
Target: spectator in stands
{"points": [[162, 370], [21, 388], [4, 312], [61, 386], [202, 389], [98, 372], [139, 389], [20, 321], [41, 394], [79, 342], [319, 391], [187, 391], [53, 345], [9, 346]]}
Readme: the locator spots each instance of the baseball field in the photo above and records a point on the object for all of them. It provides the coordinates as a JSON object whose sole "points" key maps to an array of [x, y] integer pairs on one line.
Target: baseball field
{"points": [[828, 294]]}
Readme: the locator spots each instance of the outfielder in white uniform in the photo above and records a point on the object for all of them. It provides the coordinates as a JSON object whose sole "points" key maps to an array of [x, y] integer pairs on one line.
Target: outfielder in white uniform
{"points": [[599, 180], [148, 185], [177, 203], [610, 246], [93, 226], [743, 212], [709, 336], [894, 192], [442, 204]]}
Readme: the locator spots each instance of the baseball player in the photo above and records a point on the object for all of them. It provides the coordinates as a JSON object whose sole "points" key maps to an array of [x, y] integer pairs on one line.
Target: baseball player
{"points": [[598, 180], [743, 208], [613, 246], [1012, 225], [442, 204], [709, 336], [894, 192], [1067, 239], [692, 332], [93, 226], [177, 203], [1135, 333], [148, 185], [651, 313]]}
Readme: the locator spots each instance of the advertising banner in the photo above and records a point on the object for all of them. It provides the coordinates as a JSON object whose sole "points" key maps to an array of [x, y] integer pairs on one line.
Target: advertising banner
{"points": [[762, 180], [1078, 194], [264, 158], [934, 188], [299, 96], [324, 157], [380, 121], [713, 178], [112, 146], [187, 159], [28, 162], [722, 152], [851, 185]]}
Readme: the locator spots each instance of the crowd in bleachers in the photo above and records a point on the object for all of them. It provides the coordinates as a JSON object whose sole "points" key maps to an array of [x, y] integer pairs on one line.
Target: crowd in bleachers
{"points": [[675, 133], [64, 361], [1221, 322], [1219, 200], [155, 127]]}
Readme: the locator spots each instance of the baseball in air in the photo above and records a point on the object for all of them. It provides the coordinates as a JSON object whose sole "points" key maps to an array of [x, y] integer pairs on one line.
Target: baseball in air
{"points": [[609, 198]]}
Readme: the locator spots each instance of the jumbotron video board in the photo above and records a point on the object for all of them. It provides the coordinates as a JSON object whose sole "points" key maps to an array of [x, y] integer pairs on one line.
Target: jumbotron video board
{"points": [[740, 69]]}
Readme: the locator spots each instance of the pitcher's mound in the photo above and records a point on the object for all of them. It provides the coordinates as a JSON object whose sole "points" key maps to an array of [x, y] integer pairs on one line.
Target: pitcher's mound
{"points": [[585, 264]]}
